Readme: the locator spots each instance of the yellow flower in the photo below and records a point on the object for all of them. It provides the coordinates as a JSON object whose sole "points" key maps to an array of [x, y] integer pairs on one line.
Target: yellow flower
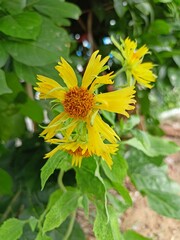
{"points": [[80, 118], [93, 145], [131, 60]]}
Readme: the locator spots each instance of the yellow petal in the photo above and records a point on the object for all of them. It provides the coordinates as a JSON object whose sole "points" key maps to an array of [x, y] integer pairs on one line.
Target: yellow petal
{"points": [[98, 147], [51, 153], [118, 101], [105, 79], [93, 68], [54, 126], [67, 73], [106, 131], [144, 75], [48, 88]]}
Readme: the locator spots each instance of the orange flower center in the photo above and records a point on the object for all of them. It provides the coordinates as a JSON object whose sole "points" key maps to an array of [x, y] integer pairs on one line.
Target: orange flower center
{"points": [[78, 152], [78, 102]]}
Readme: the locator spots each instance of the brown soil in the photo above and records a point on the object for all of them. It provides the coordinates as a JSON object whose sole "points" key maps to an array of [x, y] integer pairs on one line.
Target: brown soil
{"points": [[140, 217]]}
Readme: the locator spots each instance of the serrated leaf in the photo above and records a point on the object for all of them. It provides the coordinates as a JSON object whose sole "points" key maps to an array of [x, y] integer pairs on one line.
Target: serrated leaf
{"points": [[58, 10], [166, 204], [4, 87], [87, 181], [25, 25], [105, 229], [152, 146], [152, 180], [51, 164], [51, 43], [132, 235], [5, 182], [150, 177], [11, 229], [62, 208]]}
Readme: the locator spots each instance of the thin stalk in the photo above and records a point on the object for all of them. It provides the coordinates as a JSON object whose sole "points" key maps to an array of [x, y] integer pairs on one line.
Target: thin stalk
{"points": [[70, 227], [60, 181]]}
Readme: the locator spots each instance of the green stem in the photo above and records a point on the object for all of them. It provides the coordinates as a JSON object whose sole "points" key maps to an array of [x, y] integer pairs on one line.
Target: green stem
{"points": [[70, 227], [60, 181], [118, 72]]}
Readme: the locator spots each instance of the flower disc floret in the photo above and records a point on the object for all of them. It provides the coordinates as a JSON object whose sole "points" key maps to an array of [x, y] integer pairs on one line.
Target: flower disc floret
{"points": [[78, 102]]}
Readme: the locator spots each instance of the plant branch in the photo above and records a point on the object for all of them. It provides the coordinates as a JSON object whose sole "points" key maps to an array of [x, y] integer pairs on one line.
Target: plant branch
{"points": [[70, 227], [60, 181]]}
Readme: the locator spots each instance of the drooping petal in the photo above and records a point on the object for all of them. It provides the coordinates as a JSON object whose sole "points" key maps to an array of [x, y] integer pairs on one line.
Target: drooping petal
{"points": [[98, 147], [144, 75], [93, 68], [52, 152], [105, 130], [105, 79], [67, 73], [49, 88], [118, 101], [54, 126]]}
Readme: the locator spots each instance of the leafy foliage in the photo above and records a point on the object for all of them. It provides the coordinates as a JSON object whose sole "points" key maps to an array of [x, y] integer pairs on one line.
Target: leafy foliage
{"points": [[33, 35]]}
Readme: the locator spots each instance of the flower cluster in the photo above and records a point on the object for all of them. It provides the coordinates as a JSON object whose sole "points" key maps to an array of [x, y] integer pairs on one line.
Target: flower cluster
{"points": [[84, 131]]}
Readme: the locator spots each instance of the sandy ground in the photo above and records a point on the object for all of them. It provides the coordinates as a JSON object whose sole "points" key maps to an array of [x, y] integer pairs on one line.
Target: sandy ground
{"points": [[140, 217]]}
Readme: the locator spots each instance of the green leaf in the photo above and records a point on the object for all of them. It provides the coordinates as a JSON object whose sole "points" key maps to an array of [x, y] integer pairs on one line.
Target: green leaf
{"points": [[152, 180], [4, 87], [132, 235], [42, 236], [130, 123], [12, 124], [5, 182], [51, 43], [120, 8], [151, 145], [55, 196], [25, 25], [124, 193], [106, 229], [62, 208], [51, 164], [15, 6], [87, 181], [159, 27], [33, 110], [145, 8], [151, 177], [33, 223], [119, 169], [176, 58], [173, 74], [4, 55], [166, 204], [11, 229], [29, 74], [110, 116], [58, 10]]}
